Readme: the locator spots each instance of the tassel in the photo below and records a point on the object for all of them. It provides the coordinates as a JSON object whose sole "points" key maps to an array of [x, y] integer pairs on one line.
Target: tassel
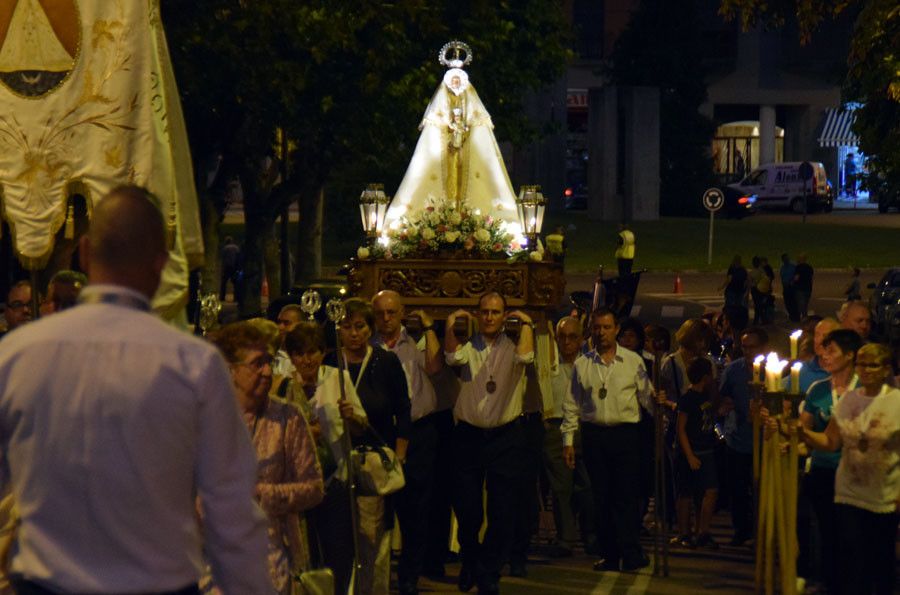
{"points": [[170, 236], [70, 223]]}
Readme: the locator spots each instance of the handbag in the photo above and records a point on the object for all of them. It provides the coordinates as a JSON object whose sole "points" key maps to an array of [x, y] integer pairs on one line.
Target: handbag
{"points": [[314, 582], [377, 470]]}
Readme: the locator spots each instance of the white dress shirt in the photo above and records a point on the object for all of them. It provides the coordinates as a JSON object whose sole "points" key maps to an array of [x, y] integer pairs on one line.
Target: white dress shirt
{"points": [[560, 383], [481, 363], [324, 406], [606, 394], [111, 422]]}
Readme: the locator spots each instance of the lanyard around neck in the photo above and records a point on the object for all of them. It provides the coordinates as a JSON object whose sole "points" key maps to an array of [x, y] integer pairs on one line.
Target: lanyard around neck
{"points": [[362, 368]]}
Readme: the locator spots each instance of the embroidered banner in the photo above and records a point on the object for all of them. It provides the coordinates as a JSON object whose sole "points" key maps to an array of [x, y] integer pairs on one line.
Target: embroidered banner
{"points": [[88, 101]]}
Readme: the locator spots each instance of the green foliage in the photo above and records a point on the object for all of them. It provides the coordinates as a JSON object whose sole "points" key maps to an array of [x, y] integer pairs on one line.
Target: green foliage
{"points": [[349, 81], [661, 47]]}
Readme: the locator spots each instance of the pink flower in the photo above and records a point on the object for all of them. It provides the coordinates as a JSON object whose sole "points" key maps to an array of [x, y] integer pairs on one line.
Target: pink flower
{"points": [[441, 228], [489, 220], [469, 243], [497, 247], [429, 209], [514, 245]]}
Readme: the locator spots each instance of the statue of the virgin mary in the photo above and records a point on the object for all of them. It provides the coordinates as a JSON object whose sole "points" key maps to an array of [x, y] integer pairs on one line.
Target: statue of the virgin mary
{"points": [[457, 158]]}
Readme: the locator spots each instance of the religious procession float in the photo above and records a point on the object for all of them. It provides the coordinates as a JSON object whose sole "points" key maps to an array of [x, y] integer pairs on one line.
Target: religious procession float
{"points": [[455, 229]]}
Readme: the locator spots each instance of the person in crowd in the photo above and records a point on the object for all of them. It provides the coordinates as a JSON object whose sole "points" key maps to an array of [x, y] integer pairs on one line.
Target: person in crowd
{"points": [[231, 268], [380, 383], [106, 466], [812, 370], [850, 176], [331, 410], [288, 317], [736, 284], [803, 285], [734, 389], [625, 244], [770, 299], [865, 427], [760, 288], [18, 306], [570, 488], [728, 326], [697, 440], [786, 275], [855, 316], [489, 435], [63, 291], [423, 365], [289, 478], [853, 291], [658, 340], [839, 350], [609, 387]]}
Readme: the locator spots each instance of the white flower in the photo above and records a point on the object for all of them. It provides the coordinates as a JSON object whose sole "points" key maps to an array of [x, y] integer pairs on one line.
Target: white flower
{"points": [[434, 217], [536, 256], [362, 253], [412, 232], [451, 236], [482, 235], [455, 218], [427, 234]]}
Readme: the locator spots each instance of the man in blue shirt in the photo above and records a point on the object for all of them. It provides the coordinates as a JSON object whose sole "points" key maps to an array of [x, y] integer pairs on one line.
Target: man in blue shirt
{"points": [[735, 390], [786, 272]]}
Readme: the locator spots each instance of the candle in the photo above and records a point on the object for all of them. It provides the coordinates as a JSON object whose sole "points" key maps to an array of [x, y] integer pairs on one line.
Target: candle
{"points": [[772, 375], [757, 368], [795, 378], [795, 341]]}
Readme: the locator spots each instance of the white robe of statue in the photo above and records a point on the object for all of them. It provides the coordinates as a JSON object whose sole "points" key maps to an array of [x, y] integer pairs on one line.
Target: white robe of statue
{"points": [[457, 158]]}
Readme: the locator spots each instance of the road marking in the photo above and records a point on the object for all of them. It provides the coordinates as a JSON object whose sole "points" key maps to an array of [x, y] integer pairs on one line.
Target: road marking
{"points": [[606, 583], [640, 583]]}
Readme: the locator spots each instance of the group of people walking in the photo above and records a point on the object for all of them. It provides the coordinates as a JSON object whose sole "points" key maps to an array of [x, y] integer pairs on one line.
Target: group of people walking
{"points": [[136, 458], [759, 283]]}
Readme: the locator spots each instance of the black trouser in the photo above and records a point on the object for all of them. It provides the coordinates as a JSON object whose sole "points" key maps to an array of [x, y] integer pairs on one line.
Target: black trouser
{"points": [[331, 532], [740, 490], [23, 587], [527, 519], [612, 455], [414, 500], [865, 551], [624, 265], [438, 539], [493, 459], [819, 489]]}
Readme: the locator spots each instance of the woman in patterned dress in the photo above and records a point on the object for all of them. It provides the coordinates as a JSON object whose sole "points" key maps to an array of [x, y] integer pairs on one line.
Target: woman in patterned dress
{"points": [[289, 478]]}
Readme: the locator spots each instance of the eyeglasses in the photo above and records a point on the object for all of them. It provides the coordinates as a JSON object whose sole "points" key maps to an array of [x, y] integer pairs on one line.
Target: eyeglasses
{"points": [[257, 365], [870, 365]]}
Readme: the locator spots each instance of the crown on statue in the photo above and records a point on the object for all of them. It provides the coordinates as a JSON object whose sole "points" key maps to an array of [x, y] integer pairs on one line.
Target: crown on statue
{"points": [[455, 54]]}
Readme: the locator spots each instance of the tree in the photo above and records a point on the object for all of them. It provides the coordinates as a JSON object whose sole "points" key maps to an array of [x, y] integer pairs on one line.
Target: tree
{"points": [[873, 77], [660, 47], [347, 83]]}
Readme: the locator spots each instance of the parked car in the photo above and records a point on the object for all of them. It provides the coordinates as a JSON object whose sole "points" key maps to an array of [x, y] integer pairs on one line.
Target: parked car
{"points": [[738, 204], [575, 193], [778, 185], [885, 305]]}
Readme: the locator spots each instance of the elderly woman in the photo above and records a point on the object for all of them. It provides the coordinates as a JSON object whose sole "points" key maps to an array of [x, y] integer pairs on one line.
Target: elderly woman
{"points": [[289, 480], [865, 426], [317, 390], [380, 382]]}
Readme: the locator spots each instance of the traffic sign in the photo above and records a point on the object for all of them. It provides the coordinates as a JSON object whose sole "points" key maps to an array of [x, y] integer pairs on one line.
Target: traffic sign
{"points": [[713, 200]]}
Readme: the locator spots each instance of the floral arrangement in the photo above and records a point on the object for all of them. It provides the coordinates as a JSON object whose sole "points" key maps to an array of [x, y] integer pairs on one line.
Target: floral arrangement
{"points": [[442, 229]]}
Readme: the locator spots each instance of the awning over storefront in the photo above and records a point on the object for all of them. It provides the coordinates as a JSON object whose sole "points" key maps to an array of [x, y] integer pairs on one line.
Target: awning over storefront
{"points": [[836, 129]]}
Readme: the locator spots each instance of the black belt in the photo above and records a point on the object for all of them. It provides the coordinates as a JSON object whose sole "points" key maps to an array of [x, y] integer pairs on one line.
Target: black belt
{"points": [[533, 415], [495, 431], [24, 587]]}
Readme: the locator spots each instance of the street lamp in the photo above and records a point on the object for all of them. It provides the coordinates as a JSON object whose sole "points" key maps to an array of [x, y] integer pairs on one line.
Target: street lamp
{"points": [[373, 204], [530, 205]]}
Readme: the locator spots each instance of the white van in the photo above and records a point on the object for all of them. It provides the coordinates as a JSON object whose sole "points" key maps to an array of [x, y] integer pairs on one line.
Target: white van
{"points": [[778, 185]]}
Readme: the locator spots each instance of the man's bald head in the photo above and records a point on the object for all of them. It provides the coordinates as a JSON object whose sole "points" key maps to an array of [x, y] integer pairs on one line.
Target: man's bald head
{"points": [[389, 312], [855, 316], [126, 243], [824, 326]]}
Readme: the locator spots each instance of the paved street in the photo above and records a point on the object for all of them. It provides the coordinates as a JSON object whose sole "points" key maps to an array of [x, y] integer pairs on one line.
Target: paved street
{"points": [[727, 570]]}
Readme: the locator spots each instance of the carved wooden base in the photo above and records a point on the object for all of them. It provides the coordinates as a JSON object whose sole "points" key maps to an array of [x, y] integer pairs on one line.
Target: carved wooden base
{"points": [[442, 286]]}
